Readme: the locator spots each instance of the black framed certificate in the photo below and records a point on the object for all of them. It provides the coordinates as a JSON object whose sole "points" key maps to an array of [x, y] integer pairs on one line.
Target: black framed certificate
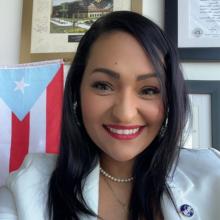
{"points": [[194, 26]]}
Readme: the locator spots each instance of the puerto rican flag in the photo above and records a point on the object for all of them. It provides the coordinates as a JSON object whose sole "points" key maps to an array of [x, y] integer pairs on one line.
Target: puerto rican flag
{"points": [[30, 111]]}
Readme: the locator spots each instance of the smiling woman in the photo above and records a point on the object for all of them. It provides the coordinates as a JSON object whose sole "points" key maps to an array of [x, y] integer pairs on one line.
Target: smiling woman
{"points": [[124, 111]]}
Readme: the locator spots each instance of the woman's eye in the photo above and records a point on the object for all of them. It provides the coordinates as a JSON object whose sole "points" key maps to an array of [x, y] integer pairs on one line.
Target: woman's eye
{"points": [[149, 91], [102, 86]]}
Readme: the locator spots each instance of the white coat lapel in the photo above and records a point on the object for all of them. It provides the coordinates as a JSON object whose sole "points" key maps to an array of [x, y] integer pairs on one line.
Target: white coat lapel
{"points": [[180, 186], [91, 192]]}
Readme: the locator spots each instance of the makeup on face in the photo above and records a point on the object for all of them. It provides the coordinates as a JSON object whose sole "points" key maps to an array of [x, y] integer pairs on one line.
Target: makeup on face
{"points": [[121, 103]]}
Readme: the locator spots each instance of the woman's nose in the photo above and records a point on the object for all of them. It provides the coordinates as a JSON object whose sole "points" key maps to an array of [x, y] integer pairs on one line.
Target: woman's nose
{"points": [[125, 109]]}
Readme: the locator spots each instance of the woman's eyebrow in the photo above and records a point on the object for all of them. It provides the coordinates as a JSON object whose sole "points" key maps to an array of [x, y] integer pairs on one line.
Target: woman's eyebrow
{"points": [[146, 76], [116, 75], [108, 72]]}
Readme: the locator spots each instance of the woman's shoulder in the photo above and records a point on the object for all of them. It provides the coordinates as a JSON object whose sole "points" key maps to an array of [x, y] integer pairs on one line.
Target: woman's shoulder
{"points": [[203, 160], [196, 165]]}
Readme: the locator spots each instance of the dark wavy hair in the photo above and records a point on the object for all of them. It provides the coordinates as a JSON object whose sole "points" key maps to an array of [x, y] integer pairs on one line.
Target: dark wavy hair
{"points": [[79, 155]]}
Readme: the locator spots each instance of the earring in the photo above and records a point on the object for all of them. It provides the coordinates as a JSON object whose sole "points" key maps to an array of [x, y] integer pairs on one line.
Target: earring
{"points": [[163, 128], [164, 125], [75, 106]]}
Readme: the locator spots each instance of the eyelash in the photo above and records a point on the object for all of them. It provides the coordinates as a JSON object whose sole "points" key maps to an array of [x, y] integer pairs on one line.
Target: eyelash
{"points": [[102, 86], [149, 91]]}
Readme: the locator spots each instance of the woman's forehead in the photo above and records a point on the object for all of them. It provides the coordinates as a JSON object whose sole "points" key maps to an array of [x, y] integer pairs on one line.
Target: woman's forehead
{"points": [[121, 50]]}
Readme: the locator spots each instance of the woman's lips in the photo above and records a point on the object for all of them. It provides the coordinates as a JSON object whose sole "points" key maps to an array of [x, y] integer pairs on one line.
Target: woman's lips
{"points": [[121, 132]]}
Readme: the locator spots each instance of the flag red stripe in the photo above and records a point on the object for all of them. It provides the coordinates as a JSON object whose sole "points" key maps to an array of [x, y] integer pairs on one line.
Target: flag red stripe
{"points": [[53, 112], [19, 141]]}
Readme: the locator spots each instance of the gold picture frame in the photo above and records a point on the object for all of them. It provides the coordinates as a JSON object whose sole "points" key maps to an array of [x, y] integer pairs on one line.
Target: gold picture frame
{"points": [[25, 50]]}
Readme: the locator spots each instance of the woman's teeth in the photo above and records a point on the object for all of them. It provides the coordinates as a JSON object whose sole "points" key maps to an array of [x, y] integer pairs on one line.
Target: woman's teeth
{"points": [[124, 131]]}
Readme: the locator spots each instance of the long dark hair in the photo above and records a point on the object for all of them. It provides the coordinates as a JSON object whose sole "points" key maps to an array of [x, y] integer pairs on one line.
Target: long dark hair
{"points": [[79, 155]]}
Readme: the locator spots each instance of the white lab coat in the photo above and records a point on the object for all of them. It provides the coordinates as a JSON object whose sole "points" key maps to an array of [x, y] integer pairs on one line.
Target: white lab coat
{"points": [[196, 183]]}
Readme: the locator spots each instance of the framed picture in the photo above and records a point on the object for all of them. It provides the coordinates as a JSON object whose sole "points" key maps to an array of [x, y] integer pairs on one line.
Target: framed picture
{"points": [[194, 26], [206, 115], [51, 29]]}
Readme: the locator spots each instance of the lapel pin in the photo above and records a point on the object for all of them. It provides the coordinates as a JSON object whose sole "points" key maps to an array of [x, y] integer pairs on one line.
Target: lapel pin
{"points": [[187, 210]]}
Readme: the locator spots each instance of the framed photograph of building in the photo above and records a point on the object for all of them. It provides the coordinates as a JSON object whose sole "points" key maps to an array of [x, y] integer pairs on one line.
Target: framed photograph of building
{"points": [[52, 28]]}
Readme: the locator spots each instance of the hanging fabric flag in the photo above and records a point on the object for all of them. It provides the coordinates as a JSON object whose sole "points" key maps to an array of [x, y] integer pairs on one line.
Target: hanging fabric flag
{"points": [[30, 111]]}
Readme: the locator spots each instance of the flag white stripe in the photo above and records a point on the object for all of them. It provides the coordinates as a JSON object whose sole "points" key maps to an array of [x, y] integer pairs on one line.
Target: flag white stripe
{"points": [[5, 140], [37, 136]]}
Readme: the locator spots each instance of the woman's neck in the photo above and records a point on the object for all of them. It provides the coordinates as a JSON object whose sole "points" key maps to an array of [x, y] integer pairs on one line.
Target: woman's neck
{"points": [[116, 168]]}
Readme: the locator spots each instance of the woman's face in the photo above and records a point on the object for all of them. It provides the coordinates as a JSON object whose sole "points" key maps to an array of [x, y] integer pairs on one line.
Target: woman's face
{"points": [[121, 104]]}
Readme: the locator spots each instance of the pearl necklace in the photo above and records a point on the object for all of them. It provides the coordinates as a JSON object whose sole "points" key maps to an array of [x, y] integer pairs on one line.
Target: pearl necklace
{"points": [[115, 179]]}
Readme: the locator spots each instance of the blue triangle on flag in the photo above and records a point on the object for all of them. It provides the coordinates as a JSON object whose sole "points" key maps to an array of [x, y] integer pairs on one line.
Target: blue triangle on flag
{"points": [[21, 87]]}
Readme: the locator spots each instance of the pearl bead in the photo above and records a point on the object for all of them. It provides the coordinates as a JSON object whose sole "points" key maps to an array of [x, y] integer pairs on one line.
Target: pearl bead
{"points": [[119, 180]]}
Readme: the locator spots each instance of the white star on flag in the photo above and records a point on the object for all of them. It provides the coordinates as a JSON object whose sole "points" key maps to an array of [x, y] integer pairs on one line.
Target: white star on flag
{"points": [[20, 85]]}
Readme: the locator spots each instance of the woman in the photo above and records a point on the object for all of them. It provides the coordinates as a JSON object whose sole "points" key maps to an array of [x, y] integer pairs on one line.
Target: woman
{"points": [[125, 108]]}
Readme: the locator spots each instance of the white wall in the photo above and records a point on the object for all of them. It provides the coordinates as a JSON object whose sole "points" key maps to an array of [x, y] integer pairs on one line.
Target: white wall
{"points": [[10, 31], [10, 23]]}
